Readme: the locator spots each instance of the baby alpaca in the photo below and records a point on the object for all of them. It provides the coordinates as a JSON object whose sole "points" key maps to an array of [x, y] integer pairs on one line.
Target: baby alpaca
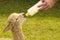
{"points": [[15, 22]]}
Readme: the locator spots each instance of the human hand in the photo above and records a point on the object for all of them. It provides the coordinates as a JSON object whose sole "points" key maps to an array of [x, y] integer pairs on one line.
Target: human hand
{"points": [[47, 4]]}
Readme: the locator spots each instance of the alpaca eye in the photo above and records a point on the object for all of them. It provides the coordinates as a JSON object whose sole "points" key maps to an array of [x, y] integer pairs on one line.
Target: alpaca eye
{"points": [[16, 18]]}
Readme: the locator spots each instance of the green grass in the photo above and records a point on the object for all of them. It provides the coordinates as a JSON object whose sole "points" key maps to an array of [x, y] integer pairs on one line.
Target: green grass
{"points": [[42, 26]]}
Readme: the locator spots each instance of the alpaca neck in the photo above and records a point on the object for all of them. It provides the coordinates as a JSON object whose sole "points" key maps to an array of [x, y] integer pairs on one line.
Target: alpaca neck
{"points": [[17, 34]]}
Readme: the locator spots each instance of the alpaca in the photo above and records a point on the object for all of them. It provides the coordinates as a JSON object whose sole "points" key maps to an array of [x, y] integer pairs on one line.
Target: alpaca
{"points": [[15, 22]]}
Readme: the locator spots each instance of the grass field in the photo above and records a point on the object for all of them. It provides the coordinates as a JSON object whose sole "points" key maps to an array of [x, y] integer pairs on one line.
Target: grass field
{"points": [[42, 26]]}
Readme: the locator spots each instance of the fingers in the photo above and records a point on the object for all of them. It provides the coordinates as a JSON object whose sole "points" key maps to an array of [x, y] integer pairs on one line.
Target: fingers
{"points": [[47, 4], [43, 7], [42, 4]]}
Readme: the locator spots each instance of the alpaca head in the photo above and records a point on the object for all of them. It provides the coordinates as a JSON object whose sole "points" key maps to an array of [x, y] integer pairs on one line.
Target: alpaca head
{"points": [[14, 19], [21, 18]]}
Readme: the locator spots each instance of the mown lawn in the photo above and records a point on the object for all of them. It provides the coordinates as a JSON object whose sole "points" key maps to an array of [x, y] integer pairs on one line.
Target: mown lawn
{"points": [[42, 26]]}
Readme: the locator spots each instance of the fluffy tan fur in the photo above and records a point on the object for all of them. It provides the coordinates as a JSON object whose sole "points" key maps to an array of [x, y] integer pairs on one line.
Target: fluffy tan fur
{"points": [[15, 22]]}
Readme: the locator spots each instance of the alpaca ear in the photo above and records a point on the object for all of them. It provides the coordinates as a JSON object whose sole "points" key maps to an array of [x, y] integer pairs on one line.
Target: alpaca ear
{"points": [[8, 27]]}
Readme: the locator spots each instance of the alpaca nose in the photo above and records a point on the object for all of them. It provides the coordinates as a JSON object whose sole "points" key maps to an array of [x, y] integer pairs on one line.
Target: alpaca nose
{"points": [[24, 15]]}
